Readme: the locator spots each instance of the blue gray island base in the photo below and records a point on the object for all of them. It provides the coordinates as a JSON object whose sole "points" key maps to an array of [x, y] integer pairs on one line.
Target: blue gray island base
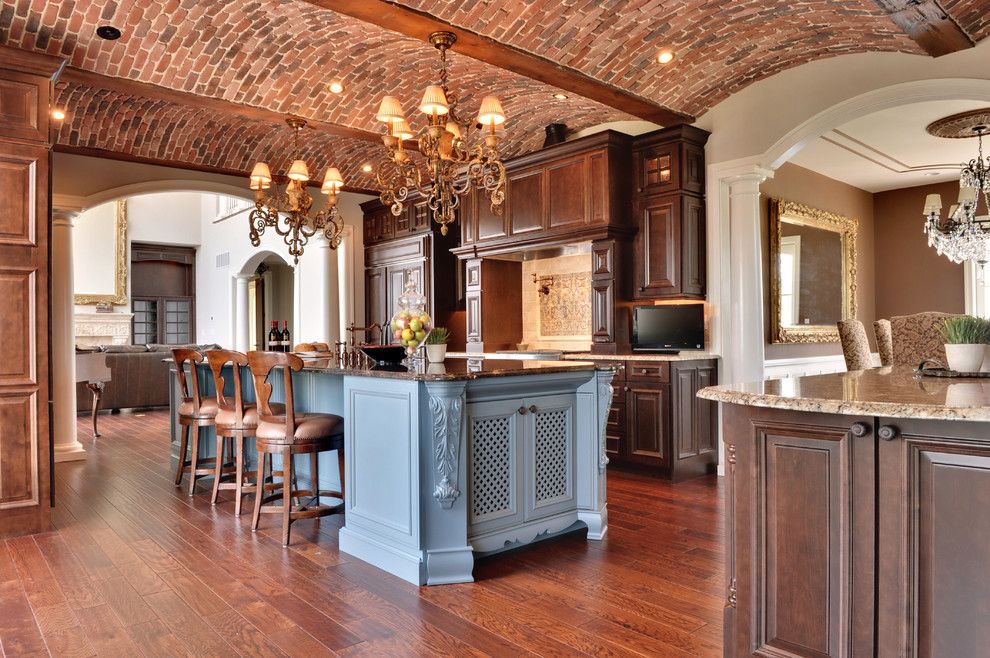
{"points": [[440, 469]]}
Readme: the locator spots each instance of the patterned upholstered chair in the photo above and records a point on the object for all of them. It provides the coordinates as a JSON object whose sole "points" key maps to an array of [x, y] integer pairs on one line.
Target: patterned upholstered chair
{"points": [[855, 345], [885, 342], [918, 337]]}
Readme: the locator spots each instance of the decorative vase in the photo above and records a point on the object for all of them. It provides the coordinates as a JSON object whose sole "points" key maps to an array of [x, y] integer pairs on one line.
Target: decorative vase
{"points": [[965, 357], [411, 323], [436, 353]]}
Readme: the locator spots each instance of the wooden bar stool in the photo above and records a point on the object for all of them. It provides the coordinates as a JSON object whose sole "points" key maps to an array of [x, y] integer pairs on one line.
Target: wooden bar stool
{"points": [[287, 434], [194, 412], [236, 423]]}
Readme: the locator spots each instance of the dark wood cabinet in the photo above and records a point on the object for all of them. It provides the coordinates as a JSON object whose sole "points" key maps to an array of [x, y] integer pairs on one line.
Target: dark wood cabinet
{"points": [[527, 201], [376, 295], [493, 304], [852, 536], [657, 423], [934, 538]]}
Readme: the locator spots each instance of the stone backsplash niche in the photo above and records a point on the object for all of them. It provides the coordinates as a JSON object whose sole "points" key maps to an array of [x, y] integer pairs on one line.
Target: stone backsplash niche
{"points": [[561, 318]]}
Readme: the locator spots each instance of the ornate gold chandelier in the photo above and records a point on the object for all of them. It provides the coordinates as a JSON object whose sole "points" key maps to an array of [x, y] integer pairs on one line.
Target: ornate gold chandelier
{"points": [[451, 167], [288, 211]]}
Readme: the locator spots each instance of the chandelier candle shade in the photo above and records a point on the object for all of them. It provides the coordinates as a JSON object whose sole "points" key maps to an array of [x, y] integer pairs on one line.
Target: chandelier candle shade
{"points": [[450, 168], [964, 233], [288, 212]]}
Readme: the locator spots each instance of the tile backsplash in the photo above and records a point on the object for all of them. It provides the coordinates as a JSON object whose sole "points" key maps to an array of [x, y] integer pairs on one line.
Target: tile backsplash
{"points": [[561, 318]]}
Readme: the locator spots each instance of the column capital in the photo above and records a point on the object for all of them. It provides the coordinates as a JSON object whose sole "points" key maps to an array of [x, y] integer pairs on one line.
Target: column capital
{"points": [[746, 180], [244, 277], [64, 216]]}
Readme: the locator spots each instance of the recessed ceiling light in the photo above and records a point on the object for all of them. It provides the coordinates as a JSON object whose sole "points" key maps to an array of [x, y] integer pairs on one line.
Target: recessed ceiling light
{"points": [[366, 168], [58, 114], [336, 87], [559, 96], [108, 32], [665, 57]]}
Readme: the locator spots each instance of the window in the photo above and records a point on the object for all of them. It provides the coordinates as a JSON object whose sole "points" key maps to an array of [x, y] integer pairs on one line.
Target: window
{"points": [[230, 205], [790, 276]]}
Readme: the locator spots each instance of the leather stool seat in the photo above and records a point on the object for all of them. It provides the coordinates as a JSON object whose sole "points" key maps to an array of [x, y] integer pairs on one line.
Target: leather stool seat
{"points": [[207, 408], [227, 416], [309, 427]]}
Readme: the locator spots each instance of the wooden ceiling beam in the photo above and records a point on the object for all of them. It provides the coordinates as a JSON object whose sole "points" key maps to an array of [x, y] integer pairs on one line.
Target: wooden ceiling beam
{"points": [[928, 24], [155, 92], [419, 25]]}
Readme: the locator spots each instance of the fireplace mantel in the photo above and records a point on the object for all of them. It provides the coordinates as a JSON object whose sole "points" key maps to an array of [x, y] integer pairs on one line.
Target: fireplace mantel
{"points": [[103, 328]]}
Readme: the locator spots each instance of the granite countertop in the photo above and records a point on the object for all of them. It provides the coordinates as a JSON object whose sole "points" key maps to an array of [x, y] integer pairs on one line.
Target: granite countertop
{"points": [[588, 356], [895, 392], [453, 369]]}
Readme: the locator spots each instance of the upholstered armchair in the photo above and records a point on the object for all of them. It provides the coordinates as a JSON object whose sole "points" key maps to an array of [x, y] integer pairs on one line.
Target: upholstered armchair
{"points": [[885, 342], [918, 337], [855, 345]]}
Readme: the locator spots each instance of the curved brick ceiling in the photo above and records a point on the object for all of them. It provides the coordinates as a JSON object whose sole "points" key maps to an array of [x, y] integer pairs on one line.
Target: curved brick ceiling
{"points": [[721, 45], [277, 55]]}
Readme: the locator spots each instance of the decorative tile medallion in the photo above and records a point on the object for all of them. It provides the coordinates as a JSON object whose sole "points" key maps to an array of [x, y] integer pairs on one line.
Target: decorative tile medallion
{"points": [[566, 309]]}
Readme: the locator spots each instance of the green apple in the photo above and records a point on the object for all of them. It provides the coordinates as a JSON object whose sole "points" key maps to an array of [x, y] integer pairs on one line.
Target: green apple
{"points": [[420, 335], [407, 334], [415, 324]]}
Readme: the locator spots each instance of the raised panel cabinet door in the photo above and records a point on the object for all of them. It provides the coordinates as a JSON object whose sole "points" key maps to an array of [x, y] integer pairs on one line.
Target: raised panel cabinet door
{"points": [[376, 296], [934, 541], [568, 192], [685, 385], [24, 388], [526, 201], [658, 247], [496, 443], [801, 533], [488, 225], [693, 248], [705, 411], [421, 217], [648, 423], [402, 222]]}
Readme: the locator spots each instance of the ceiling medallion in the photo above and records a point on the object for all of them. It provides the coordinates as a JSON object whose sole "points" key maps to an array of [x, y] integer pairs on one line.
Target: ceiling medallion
{"points": [[452, 167], [964, 234], [287, 212]]}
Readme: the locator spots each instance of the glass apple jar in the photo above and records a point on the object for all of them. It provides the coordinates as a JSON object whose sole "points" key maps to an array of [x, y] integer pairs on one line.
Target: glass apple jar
{"points": [[411, 322]]}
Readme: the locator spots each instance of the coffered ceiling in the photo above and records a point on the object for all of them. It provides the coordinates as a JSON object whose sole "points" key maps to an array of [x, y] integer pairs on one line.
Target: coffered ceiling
{"points": [[206, 84], [890, 149]]}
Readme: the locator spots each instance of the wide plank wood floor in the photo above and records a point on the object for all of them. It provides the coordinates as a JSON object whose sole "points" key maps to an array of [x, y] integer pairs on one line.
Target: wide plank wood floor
{"points": [[134, 567]]}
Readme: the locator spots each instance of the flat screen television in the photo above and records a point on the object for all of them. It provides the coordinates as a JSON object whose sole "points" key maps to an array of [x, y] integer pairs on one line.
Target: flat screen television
{"points": [[668, 328]]}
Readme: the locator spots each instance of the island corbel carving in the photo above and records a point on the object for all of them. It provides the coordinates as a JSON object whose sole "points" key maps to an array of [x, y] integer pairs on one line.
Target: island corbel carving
{"points": [[447, 407]]}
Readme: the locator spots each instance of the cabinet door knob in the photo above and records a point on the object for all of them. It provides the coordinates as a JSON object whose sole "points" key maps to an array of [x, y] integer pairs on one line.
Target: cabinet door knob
{"points": [[859, 429], [522, 411], [532, 408], [642, 371], [625, 388], [888, 432]]}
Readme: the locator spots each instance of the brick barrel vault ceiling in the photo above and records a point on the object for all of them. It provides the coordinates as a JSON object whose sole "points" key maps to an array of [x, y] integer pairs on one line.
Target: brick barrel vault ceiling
{"points": [[973, 16], [276, 55], [721, 45]]}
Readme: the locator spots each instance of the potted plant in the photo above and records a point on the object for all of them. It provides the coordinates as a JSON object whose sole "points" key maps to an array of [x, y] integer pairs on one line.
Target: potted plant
{"points": [[965, 342], [436, 344]]}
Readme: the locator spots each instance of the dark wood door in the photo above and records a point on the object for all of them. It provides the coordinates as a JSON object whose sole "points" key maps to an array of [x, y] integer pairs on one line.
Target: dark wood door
{"points": [[658, 247], [647, 423], [526, 201], [376, 293], [25, 438], [801, 534], [934, 543], [693, 248], [658, 169]]}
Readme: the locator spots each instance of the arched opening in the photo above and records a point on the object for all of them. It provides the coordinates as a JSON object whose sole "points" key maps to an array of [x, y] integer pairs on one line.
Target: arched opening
{"points": [[265, 298]]}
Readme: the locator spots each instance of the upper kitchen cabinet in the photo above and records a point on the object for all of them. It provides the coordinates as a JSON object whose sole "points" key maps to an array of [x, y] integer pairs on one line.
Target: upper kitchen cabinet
{"points": [[381, 225], [671, 160], [577, 190]]}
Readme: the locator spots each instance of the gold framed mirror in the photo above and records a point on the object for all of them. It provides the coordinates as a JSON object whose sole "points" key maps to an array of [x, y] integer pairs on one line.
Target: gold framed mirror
{"points": [[100, 255], [812, 272]]}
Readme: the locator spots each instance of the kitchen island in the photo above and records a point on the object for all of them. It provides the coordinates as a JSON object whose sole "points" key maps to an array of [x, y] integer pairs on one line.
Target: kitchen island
{"points": [[446, 462], [858, 515]]}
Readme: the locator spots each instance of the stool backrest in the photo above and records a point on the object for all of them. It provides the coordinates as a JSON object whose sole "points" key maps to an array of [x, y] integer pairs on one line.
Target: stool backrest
{"points": [[218, 359], [189, 390], [262, 363]]}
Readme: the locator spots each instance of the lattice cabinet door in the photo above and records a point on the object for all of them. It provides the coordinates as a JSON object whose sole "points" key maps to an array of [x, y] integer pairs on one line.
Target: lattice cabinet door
{"points": [[494, 446], [549, 459]]}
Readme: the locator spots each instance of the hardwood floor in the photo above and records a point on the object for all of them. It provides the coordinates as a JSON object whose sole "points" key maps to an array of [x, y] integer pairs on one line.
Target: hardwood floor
{"points": [[135, 567]]}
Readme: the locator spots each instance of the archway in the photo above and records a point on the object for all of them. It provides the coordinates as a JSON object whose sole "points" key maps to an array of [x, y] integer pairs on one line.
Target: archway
{"points": [[265, 292]]}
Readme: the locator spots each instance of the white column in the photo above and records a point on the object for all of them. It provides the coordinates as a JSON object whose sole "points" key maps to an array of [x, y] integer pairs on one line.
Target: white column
{"points": [[331, 295], [241, 313], [66, 445], [743, 346], [346, 284]]}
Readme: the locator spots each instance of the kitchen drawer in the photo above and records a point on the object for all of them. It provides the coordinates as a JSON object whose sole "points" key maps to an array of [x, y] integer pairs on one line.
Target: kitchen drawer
{"points": [[656, 372]]}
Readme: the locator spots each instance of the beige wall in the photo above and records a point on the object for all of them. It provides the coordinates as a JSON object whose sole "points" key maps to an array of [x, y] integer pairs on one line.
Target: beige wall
{"points": [[911, 277], [794, 183]]}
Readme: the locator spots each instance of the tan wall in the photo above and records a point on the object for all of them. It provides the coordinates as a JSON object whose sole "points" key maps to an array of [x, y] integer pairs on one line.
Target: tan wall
{"points": [[554, 306], [911, 277], [794, 183]]}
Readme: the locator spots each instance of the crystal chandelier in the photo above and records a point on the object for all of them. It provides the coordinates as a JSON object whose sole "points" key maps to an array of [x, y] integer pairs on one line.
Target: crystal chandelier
{"points": [[451, 168], [964, 234], [288, 211]]}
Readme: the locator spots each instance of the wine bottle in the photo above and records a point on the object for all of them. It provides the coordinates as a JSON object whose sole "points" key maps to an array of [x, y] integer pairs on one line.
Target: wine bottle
{"points": [[274, 337], [286, 339]]}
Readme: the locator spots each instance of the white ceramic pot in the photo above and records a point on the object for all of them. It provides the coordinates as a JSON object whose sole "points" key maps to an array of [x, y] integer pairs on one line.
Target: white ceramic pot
{"points": [[965, 358], [986, 359], [436, 353]]}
